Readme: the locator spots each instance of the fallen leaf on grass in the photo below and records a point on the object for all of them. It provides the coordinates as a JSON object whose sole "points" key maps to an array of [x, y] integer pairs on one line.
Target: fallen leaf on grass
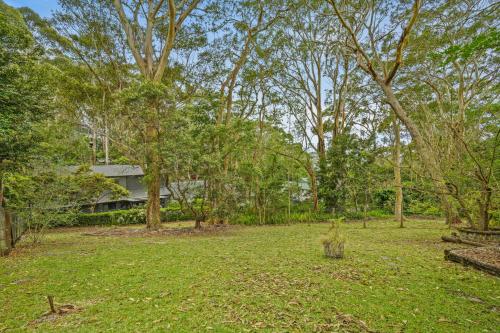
{"points": [[444, 320]]}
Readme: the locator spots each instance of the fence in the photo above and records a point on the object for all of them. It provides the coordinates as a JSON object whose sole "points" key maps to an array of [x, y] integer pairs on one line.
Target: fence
{"points": [[11, 230]]}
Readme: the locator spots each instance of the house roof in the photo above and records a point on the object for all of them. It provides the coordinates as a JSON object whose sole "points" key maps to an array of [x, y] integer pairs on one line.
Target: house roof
{"points": [[136, 194], [114, 170]]}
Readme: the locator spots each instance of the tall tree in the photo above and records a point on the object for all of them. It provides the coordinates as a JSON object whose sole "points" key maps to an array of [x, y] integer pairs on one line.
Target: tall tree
{"points": [[370, 25], [396, 160], [24, 95], [452, 79], [151, 28]]}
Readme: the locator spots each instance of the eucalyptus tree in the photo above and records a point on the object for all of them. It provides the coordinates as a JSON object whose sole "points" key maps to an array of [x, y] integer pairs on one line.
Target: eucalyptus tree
{"points": [[452, 77], [249, 20], [151, 29], [396, 160], [128, 44], [83, 37], [296, 58], [444, 93], [304, 53], [238, 39], [24, 99], [372, 43]]}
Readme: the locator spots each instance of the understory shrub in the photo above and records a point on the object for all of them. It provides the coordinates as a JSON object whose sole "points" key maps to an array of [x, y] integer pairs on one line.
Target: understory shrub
{"points": [[423, 208], [375, 213], [281, 218], [170, 214], [128, 216], [115, 217]]}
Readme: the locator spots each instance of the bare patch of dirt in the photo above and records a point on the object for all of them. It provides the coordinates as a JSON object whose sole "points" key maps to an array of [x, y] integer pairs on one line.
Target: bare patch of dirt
{"points": [[143, 232], [57, 312]]}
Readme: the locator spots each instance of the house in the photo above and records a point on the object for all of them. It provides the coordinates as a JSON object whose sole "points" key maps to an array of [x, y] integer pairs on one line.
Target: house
{"points": [[131, 178]]}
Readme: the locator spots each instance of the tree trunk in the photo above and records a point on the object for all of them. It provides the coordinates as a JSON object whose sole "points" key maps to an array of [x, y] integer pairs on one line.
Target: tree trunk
{"points": [[153, 178], [9, 240], [424, 152], [7, 218], [321, 144], [106, 143], [94, 145], [484, 207], [365, 205], [314, 185], [398, 188]]}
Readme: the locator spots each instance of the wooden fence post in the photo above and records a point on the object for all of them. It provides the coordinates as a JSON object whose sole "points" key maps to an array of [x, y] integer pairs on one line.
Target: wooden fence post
{"points": [[5, 233]]}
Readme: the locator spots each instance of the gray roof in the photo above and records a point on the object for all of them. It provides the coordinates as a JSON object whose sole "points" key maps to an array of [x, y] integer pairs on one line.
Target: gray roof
{"points": [[118, 170], [138, 195], [114, 170]]}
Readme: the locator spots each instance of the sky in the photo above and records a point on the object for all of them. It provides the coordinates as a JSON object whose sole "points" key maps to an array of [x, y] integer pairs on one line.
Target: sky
{"points": [[42, 7]]}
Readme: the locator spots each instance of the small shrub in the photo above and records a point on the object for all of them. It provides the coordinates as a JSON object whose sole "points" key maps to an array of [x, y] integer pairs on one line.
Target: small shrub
{"points": [[495, 218], [333, 242]]}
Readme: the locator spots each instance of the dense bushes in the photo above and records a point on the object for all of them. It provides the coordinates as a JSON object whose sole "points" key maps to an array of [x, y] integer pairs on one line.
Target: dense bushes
{"points": [[138, 216], [374, 214], [423, 208], [129, 216], [281, 218], [115, 217], [173, 213], [169, 214], [414, 202]]}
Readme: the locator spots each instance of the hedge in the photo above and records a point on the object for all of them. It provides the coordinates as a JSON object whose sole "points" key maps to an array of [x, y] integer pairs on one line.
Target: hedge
{"points": [[129, 216]]}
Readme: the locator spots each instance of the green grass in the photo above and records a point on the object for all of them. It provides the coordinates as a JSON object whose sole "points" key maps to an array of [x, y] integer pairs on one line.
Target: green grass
{"points": [[271, 279]]}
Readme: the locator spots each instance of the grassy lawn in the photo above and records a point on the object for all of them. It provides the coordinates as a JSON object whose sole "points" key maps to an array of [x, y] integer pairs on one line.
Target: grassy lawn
{"points": [[272, 279]]}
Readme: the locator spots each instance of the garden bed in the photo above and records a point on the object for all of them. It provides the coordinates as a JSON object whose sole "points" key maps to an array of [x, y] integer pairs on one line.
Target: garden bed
{"points": [[489, 236], [484, 258]]}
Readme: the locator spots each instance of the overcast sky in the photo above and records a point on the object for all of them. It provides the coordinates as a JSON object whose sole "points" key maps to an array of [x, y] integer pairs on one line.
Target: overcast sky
{"points": [[42, 7]]}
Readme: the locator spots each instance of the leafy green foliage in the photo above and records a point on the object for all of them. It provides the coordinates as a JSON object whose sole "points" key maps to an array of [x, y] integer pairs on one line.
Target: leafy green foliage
{"points": [[23, 98], [280, 218], [47, 198], [126, 217], [116, 217], [486, 41], [348, 174]]}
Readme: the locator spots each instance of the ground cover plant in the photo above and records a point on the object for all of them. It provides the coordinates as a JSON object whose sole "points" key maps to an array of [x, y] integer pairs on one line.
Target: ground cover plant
{"points": [[248, 278]]}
